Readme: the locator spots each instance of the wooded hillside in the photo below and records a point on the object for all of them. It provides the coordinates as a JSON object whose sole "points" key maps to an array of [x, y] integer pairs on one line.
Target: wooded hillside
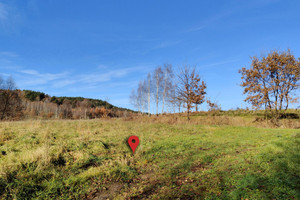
{"points": [[41, 104], [18, 104]]}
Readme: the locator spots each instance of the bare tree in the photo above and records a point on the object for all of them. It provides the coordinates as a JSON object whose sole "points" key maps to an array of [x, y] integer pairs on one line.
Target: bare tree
{"points": [[84, 105], [66, 109], [167, 83], [142, 95], [172, 98], [107, 104], [10, 102], [190, 89], [134, 100], [157, 85], [149, 91], [1, 83]]}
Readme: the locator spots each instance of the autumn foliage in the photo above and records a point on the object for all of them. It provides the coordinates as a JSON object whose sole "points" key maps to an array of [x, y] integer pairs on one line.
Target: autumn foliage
{"points": [[271, 81], [190, 90], [10, 102]]}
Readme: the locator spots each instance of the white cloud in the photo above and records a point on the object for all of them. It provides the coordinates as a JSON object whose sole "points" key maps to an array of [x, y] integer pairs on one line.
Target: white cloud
{"points": [[45, 76], [29, 71], [30, 77]]}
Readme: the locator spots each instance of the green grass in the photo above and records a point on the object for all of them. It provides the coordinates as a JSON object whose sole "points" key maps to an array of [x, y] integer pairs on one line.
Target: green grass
{"points": [[84, 159]]}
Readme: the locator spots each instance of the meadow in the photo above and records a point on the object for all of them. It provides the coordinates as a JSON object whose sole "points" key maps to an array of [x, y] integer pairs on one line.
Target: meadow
{"points": [[90, 159]]}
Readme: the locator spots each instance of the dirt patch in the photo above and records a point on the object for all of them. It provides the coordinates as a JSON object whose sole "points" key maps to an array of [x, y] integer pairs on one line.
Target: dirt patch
{"points": [[114, 189], [109, 193], [204, 149], [149, 180], [147, 176], [198, 167]]}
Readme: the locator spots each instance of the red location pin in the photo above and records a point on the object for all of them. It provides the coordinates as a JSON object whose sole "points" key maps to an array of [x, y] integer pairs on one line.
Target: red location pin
{"points": [[133, 142]]}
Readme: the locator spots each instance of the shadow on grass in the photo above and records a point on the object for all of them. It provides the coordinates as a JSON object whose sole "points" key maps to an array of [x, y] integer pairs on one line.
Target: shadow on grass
{"points": [[278, 179]]}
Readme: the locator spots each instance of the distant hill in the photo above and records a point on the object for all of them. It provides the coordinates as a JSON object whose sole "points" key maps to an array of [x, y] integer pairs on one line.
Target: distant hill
{"points": [[37, 104], [74, 101]]}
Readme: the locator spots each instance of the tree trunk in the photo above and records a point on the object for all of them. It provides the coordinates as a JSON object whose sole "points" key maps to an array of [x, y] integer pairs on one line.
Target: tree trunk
{"points": [[188, 110], [157, 99], [164, 93], [149, 97], [5, 105]]}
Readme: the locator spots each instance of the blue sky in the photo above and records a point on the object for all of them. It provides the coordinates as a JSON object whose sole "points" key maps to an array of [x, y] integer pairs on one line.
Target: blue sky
{"points": [[101, 49]]}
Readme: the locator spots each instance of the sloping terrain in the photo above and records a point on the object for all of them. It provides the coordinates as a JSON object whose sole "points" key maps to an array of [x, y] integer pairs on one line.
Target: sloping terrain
{"points": [[77, 159]]}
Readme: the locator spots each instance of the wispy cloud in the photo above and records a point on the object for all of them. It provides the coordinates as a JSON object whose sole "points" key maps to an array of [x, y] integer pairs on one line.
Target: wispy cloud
{"points": [[46, 76], [8, 54], [9, 17], [29, 71], [102, 66], [4, 74], [102, 77], [63, 83], [196, 28], [6, 57], [3, 12], [214, 64], [207, 22], [222, 15], [166, 44], [99, 76], [30, 77]]}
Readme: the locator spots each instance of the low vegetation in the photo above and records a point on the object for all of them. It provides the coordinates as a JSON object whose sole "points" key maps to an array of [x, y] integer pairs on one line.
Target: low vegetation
{"points": [[77, 159]]}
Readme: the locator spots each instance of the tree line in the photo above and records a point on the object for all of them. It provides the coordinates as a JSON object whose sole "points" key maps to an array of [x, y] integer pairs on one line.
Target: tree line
{"points": [[169, 91], [270, 83], [16, 104]]}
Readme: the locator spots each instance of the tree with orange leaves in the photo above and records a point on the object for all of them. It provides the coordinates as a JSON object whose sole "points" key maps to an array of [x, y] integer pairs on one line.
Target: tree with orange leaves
{"points": [[190, 88], [271, 81]]}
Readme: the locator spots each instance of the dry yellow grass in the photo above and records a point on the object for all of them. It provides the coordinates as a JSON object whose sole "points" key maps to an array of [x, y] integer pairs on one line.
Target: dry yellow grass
{"points": [[176, 158]]}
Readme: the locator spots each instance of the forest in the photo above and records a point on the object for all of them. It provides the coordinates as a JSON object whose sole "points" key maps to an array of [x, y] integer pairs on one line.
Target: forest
{"points": [[18, 104]]}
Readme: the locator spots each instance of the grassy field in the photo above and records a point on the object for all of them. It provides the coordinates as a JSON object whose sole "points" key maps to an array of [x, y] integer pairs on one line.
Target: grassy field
{"points": [[90, 159]]}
